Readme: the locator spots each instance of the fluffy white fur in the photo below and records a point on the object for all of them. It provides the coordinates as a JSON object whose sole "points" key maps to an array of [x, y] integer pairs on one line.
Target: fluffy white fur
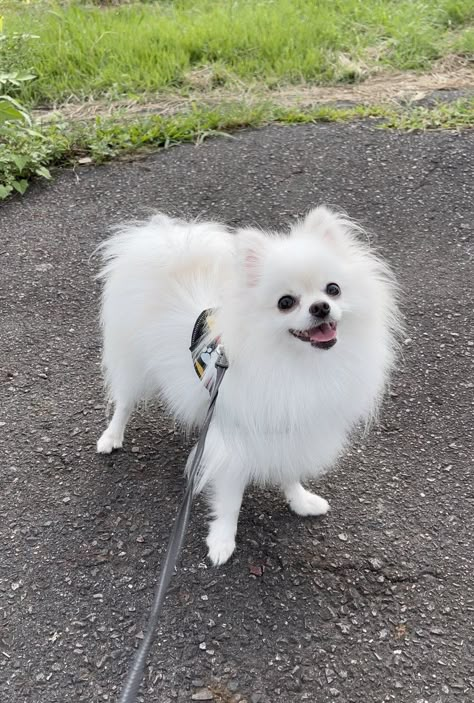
{"points": [[285, 409]]}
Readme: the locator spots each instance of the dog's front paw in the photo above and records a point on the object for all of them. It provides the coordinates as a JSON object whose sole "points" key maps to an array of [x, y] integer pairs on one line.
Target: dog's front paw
{"points": [[221, 544], [108, 442], [307, 503]]}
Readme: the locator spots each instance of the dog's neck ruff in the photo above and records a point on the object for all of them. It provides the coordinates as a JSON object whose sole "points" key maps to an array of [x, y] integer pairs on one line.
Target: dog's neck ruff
{"points": [[205, 348]]}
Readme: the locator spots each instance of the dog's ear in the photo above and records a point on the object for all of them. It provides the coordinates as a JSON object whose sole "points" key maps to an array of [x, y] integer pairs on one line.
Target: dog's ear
{"points": [[325, 224], [251, 246], [321, 221]]}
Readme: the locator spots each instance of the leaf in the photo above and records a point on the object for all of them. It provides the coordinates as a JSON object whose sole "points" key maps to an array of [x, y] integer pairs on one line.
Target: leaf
{"points": [[35, 133], [20, 162], [16, 77], [11, 110], [43, 171], [5, 191], [24, 77], [20, 186]]}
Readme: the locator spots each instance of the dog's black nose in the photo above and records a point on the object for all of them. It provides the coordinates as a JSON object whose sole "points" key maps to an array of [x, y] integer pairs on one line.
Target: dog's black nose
{"points": [[320, 309]]}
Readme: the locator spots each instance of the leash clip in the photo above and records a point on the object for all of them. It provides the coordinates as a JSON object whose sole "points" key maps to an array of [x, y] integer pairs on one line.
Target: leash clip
{"points": [[222, 360]]}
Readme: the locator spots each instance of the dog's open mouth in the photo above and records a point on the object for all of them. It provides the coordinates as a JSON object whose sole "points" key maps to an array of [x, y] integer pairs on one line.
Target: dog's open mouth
{"points": [[324, 336]]}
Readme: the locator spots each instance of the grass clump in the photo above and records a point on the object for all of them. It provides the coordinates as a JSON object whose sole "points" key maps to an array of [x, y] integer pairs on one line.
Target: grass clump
{"points": [[26, 153], [112, 137], [458, 114], [23, 150], [86, 50], [102, 139]]}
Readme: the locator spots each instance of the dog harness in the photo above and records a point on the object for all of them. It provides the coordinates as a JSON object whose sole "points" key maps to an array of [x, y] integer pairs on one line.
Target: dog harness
{"points": [[205, 348]]}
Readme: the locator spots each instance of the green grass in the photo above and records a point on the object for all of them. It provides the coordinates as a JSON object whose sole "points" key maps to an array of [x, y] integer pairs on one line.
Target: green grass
{"points": [[102, 139], [464, 44], [85, 51], [458, 114], [107, 138]]}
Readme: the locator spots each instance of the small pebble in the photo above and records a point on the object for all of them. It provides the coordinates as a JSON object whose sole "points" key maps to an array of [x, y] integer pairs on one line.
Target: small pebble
{"points": [[203, 695]]}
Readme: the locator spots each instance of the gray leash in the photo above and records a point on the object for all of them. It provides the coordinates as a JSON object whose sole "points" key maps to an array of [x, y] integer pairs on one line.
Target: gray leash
{"points": [[135, 674]]}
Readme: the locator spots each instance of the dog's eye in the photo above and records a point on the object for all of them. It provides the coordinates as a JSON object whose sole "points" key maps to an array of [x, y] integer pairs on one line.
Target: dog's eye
{"points": [[287, 302], [333, 290]]}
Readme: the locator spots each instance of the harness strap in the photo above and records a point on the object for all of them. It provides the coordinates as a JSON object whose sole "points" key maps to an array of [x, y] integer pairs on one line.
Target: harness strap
{"points": [[204, 353]]}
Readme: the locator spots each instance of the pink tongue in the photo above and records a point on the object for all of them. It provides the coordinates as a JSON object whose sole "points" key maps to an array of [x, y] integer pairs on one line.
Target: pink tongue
{"points": [[323, 333]]}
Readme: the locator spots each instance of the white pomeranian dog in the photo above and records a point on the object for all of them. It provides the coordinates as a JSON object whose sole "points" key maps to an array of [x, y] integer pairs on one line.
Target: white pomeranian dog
{"points": [[308, 320]]}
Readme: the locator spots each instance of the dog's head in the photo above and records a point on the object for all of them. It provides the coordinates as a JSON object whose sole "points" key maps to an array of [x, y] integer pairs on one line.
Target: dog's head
{"points": [[312, 286]]}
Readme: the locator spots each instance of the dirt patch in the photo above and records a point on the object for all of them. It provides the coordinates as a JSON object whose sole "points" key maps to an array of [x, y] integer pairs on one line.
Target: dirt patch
{"points": [[452, 73]]}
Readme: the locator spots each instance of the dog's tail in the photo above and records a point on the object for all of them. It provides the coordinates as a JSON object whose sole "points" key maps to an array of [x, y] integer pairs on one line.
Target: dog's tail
{"points": [[175, 250]]}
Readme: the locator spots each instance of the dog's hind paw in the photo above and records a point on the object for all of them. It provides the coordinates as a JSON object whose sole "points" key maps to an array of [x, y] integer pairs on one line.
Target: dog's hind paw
{"points": [[303, 502]]}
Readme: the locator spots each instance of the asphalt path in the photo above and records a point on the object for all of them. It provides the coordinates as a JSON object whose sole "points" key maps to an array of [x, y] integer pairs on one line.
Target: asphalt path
{"points": [[372, 603]]}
